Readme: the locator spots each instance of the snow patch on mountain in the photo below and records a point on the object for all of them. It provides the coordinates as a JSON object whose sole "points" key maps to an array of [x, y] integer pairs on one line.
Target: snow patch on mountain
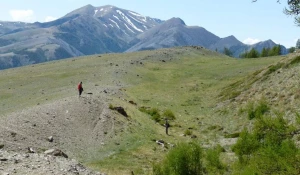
{"points": [[114, 23], [116, 17], [129, 29], [95, 12], [136, 20], [136, 14], [128, 21]]}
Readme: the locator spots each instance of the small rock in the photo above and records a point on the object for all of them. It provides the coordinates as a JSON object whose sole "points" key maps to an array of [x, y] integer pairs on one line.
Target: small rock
{"points": [[193, 136], [1, 146], [13, 134], [16, 161], [56, 152], [160, 142], [50, 139], [3, 159], [31, 150]]}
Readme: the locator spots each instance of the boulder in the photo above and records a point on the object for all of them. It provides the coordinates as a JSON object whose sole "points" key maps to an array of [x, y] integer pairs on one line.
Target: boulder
{"points": [[121, 110], [31, 150], [50, 139]]}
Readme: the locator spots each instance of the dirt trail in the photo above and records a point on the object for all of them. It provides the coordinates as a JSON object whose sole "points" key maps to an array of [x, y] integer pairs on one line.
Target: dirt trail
{"points": [[78, 125]]}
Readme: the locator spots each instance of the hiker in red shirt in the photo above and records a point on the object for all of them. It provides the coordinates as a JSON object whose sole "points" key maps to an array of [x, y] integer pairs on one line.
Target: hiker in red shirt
{"points": [[80, 89]]}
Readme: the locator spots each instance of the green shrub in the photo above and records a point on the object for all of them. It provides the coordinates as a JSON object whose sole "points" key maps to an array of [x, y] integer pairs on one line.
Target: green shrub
{"points": [[297, 118], [262, 108], [153, 112], [232, 135], [269, 148], [184, 159], [274, 68], [245, 146], [295, 60], [250, 111], [214, 165], [169, 114], [188, 132], [143, 109], [257, 111], [111, 106]]}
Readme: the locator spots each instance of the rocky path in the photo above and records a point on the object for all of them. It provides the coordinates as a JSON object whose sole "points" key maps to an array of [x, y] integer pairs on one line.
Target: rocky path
{"points": [[77, 126], [40, 164]]}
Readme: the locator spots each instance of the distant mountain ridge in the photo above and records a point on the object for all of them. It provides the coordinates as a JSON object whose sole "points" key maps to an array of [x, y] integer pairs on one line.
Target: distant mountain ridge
{"points": [[106, 29]]}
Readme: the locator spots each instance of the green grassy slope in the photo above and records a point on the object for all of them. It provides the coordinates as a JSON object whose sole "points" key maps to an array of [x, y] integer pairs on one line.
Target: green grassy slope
{"points": [[194, 83]]}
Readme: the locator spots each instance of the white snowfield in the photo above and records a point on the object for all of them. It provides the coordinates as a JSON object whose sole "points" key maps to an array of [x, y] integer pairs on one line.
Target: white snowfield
{"points": [[128, 21], [95, 12], [144, 18], [116, 17], [129, 28], [115, 23]]}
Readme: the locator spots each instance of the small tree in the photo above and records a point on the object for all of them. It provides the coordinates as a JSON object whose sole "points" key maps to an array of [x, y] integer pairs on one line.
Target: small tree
{"points": [[298, 44], [275, 51], [184, 159], [214, 165], [227, 52], [269, 148], [264, 52], [292, 50], [253, 53], [278, 49]]}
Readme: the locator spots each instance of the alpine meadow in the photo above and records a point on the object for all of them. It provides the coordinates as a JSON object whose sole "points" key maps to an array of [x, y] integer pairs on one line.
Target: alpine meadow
{"points": [[107, 91]]}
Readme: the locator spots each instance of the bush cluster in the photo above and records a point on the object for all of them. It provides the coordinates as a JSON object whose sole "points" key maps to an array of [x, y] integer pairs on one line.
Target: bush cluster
{"points": [[184, 159], [156, 115], [274, 51], [268, 149], [257, 110]]}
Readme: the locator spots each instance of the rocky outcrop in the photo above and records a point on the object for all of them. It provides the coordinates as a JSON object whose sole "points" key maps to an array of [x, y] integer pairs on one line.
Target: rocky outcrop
{"points": [[25, 163]]}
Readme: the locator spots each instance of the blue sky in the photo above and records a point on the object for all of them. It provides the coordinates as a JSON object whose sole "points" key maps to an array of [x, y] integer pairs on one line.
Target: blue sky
{"points": [[248, 22]]}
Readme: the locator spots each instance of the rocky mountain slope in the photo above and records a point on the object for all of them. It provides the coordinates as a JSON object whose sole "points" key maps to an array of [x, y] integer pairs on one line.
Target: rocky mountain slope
{"points": [[172, 33], [85, 31], [106, 29]]}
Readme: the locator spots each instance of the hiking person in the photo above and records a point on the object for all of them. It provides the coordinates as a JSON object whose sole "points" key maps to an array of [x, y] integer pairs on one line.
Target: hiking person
{"points": [[167, 125], [80, 89]]}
